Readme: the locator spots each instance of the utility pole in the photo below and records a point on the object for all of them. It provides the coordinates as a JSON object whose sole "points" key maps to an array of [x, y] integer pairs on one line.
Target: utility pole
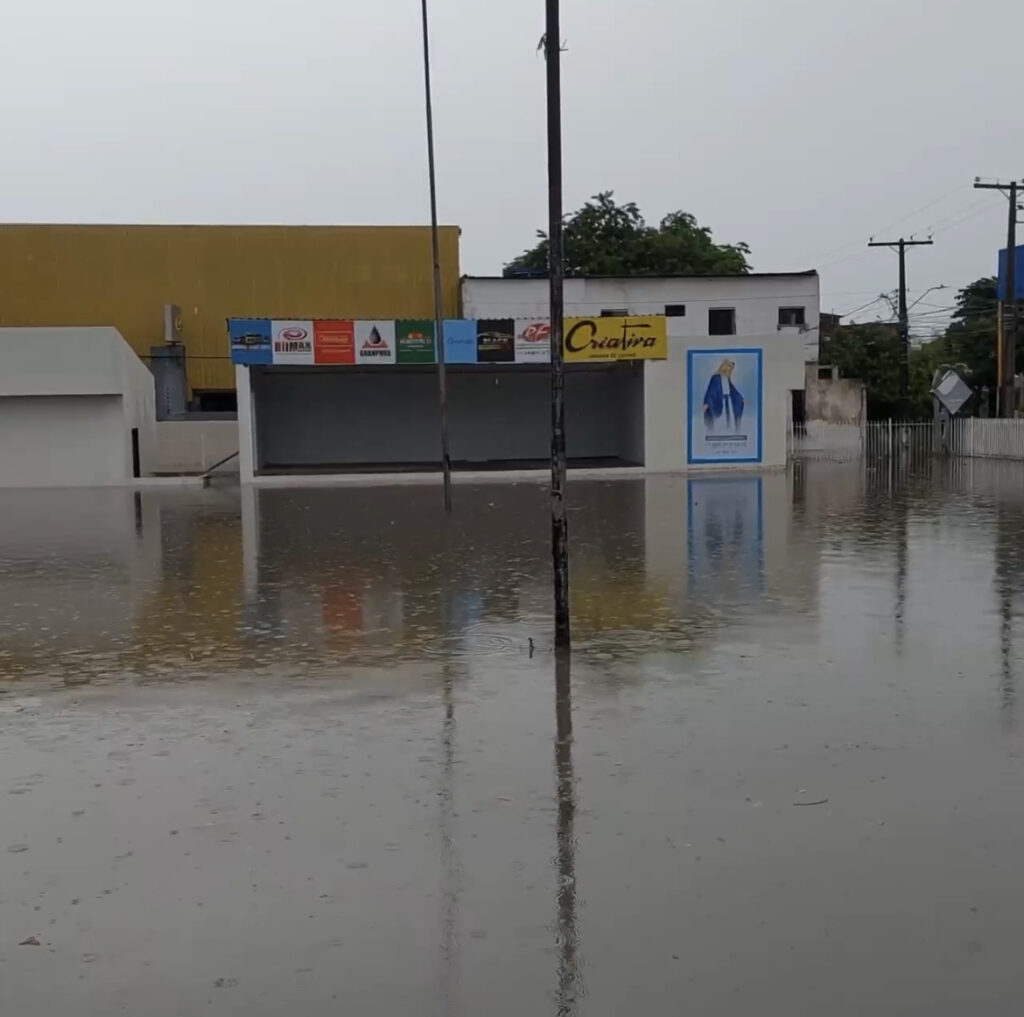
{"points": [[1006, 341], [442, 375], [556, 268], [901, 246]]}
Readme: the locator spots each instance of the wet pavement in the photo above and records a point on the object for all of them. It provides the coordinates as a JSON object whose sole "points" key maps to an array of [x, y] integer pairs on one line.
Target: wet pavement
{"points": [[309, 750]]}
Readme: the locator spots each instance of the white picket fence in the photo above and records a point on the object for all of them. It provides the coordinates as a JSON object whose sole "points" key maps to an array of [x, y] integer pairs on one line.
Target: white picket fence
{"points": [[820, 440], [971, 438], [908, 439], [987, 438]]}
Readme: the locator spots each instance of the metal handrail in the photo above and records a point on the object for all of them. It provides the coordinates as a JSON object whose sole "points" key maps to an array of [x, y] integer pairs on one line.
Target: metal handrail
{"points": [[220, 462]]}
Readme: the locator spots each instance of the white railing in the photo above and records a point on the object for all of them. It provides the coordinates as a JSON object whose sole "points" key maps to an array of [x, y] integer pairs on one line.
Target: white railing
{"points": [[820, 440], [988, 438], [900, 438], [970, 437]]}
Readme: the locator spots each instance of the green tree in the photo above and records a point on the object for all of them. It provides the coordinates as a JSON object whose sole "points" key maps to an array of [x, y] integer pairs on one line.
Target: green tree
{"points": [[970, 338], [871, 354], [604, 238]]}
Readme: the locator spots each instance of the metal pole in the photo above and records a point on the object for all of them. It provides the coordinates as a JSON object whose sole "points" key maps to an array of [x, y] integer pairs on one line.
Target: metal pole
{"points": [[904, 330], [442, 378], [901, 246], [1009, 361], [559, 522], [1006, 340]]}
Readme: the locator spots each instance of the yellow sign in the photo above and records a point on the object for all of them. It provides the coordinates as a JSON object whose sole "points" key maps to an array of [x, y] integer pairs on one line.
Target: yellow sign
{"points": [[634, 338]]}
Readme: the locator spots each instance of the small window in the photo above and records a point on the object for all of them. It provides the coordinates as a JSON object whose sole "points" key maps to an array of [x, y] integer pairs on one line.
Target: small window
{"points": [[722, 321], [215, 401], [792, 317], [675, 310], [615, 312]]}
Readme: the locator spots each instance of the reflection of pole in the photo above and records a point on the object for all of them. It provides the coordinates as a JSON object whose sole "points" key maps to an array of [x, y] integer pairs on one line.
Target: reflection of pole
{"points": [[902, 519], [442, 376], [556, 266], [1005, 553], [451, 866], [565, 790]]}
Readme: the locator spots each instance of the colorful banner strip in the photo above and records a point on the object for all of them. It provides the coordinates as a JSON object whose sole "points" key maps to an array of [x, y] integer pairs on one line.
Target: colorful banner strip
{"points": [[334, 342]]}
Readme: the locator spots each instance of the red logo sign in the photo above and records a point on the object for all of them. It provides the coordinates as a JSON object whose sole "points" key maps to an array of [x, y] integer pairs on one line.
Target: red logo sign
{"points": [[536, 332], [293, 334], [334, 342]]}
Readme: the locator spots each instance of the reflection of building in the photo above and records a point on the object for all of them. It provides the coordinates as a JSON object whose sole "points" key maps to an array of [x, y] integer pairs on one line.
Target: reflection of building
{"points": [[721, 545], [76, 569]]}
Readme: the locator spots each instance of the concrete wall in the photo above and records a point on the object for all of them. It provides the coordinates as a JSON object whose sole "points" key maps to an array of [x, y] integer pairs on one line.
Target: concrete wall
{"points": [[69, 399], [756, 300], [192, 446], [834, 400], [48, 441], [346, 417], [60, 274], [667, 408]]}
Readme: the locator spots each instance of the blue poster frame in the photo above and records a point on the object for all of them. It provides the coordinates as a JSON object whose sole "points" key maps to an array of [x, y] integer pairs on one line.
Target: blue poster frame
{"points": [[724, 351]]}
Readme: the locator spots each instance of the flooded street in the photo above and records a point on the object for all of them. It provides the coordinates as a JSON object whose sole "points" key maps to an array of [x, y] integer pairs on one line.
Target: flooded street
{"points": [[309, 750]]}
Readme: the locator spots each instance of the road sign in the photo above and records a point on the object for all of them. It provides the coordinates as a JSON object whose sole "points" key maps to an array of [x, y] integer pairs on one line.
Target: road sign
{"points": [[952, 392]]}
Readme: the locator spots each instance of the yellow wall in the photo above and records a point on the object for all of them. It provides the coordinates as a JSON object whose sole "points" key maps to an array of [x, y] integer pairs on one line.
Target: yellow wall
{"points": [[123, 276]]}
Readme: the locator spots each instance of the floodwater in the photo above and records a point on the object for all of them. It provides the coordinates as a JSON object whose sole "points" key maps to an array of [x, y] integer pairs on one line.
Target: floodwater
{"points": [[309, 751]]}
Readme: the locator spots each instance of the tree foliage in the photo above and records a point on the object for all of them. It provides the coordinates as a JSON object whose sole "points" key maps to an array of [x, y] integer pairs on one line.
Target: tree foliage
{"points": [[604, 238], [871, 354], [971, 337]]}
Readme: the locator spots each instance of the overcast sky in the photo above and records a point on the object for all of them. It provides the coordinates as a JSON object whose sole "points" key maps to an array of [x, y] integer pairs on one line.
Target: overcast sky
{"points": [[799, 126]]}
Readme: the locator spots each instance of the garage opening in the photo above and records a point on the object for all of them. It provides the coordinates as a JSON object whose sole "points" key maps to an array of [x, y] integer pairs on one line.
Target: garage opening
{"points": [[346, 419]]}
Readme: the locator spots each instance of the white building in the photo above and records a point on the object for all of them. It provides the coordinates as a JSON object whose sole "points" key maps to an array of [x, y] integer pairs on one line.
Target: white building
{"points": [[341, 396], [776, 313], [76, 408], [760, 304]]}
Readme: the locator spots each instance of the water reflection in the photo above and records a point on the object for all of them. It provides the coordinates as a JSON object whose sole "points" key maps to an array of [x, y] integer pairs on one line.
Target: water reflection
{"points": [[570, 986], [172, 586], [347, 679]]}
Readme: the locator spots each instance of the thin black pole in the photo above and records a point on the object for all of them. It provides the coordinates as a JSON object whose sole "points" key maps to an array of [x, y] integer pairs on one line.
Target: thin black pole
{"points": [[559, 522], [1010, 311], [442, 376], [901, 246], [904, 327]]}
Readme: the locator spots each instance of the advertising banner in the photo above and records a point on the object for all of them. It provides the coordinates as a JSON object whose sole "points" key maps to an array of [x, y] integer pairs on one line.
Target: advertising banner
{"points": [[633, 338], [467, 341], [334, 342], [724, 410], [293, 342], [415, 341], [375, 342], [533, 341], [459, 341], [495, 341], [250, 340]]}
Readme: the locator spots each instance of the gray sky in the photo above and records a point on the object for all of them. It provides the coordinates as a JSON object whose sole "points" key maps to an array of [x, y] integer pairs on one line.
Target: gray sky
{"points": [[800, 126]]}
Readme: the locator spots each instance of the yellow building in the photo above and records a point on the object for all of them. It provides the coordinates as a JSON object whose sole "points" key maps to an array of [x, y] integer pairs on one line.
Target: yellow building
{"points": [[125, 275]]}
